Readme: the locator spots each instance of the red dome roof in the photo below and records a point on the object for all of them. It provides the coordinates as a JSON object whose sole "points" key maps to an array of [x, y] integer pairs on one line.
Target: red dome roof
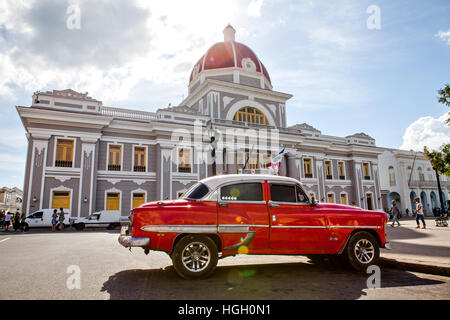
{"points": [[229, 54]]}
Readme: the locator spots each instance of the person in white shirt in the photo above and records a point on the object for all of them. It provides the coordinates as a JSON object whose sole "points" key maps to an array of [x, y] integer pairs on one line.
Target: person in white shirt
{"points": [[7, 221], [419, 213]]}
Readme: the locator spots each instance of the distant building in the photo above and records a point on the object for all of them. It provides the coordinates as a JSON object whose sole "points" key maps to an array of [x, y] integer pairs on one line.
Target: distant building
{"points": [[84, 156], [11, 199], [405, 175]]}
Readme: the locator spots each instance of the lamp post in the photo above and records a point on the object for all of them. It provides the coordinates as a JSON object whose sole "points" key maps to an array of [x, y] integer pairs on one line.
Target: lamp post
{"points": [[212, 136]]}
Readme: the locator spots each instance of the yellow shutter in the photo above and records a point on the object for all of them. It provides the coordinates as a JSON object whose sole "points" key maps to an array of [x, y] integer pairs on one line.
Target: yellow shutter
{"points": [[330, 198], [113, 201], [61, 199], [138, 199], [343, 198]]}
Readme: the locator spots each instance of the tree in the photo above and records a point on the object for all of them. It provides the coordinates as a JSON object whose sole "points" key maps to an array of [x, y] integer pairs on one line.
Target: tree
{"points": [[444, 98], [440, 160]]}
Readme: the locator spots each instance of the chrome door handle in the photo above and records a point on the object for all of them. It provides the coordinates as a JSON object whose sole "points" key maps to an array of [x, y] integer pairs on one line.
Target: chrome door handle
{"points": [[273, 218], [274, 205], [223, 204]]}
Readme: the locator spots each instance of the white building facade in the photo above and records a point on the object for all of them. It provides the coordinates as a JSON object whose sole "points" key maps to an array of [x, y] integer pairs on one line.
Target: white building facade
{"points": [[10, 199], [85, 157], [406, 175]]}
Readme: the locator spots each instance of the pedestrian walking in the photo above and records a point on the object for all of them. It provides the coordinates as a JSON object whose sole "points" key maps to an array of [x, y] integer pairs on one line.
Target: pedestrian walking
{"points": [[395, 213], [61, 219], [7, 221], [419, 213], [23, 217], [2, 218], [16, 221], [54, 219]]}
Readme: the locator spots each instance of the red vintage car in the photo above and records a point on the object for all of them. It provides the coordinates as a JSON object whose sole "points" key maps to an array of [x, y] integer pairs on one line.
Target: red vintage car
{"points": [[227, 215]]}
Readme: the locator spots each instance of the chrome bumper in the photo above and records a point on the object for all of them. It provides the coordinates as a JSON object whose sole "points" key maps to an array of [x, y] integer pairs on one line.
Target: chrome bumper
{"points": [[128, 241], [388, 245]]}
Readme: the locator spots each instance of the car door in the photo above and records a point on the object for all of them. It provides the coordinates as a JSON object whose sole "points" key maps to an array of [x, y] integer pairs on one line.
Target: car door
{"points": [[241, 207], [294, 223], [36, 219]]}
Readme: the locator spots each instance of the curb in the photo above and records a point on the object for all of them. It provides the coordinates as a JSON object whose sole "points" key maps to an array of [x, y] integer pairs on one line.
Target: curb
{"points": [[415, 267]]}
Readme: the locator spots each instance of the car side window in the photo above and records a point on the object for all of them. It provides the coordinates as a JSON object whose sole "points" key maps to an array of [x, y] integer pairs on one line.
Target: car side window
{"points": [[242, 192], [37, 215], [283, 193], [301, 196]]}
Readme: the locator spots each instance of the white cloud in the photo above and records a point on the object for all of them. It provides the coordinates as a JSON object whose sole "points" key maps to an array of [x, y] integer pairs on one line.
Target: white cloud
{"points": [[120, 44], [426, 131], [254, 8], [444, 35]]}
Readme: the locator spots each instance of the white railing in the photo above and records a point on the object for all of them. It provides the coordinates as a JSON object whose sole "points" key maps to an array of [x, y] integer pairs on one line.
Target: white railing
{"points": [[128, 114]]}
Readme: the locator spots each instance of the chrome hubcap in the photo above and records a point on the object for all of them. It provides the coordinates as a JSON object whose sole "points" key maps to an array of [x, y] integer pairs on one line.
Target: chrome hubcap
{"points": [[196, 257], [364, 251]]}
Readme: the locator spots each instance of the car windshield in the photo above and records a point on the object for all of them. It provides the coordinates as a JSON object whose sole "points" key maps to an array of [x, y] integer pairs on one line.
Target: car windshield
{"points": [[94, 217], [196, 192]]}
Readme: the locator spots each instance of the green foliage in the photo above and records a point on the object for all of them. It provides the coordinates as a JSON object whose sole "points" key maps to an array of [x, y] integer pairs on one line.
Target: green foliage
{"points": [[440, 160], [444, 98], [444, 95]]}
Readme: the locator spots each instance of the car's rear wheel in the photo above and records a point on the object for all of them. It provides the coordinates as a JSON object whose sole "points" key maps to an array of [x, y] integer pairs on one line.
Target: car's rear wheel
{"points": [[79, 226], [112, 226], [362, 251], [195, 256]]}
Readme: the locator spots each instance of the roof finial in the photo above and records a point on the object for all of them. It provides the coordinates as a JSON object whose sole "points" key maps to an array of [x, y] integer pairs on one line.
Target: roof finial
{"points": [[228, 33]]}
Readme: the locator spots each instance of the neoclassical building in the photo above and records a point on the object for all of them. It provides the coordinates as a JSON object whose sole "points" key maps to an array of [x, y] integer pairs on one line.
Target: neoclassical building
{"points": [[10, 199], [87, 157], [406, 175]]}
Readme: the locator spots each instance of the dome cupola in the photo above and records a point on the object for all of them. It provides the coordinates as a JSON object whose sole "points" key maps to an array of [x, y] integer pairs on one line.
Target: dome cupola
{"points": [[230, 61]]}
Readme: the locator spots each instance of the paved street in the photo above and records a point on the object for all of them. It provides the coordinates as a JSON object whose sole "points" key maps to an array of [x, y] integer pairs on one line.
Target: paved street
{"points": [[34, 265], [423, 246]]}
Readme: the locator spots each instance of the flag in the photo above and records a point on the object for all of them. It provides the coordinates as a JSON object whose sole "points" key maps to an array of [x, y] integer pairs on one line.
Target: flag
{"points": [[248, 157], [276, 161]]}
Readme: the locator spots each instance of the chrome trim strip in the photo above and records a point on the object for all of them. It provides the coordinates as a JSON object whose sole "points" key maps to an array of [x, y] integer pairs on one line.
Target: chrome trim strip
{"points": [[245, 225], [297, 204], [354, 227], [301, 227], [328, 227], [221, 228], [181, 228], [234, 228]]}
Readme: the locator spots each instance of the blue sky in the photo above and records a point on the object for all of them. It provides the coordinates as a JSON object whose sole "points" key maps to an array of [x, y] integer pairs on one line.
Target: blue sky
{"points": [[345, 78]]}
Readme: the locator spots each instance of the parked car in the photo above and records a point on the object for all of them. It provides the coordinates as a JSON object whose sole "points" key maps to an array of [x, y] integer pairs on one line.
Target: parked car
{"points": [[227, 215], [43, 218], [103, 219]]}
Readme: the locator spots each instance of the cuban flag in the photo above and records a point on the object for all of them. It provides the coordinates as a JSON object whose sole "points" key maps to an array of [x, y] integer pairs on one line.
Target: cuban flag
{"points": [[276, 161]]}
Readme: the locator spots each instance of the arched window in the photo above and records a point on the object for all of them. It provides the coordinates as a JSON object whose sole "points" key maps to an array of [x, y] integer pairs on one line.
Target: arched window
{"points": [[251, 115], [391, 176]]}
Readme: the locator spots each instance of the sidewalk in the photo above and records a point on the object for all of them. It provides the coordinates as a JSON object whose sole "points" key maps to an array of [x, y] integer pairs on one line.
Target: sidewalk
{"points": [[424, 250]]}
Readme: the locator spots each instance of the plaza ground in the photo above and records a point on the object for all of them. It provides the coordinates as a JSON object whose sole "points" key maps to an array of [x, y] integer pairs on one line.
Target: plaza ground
{"points": [[34, 265]]}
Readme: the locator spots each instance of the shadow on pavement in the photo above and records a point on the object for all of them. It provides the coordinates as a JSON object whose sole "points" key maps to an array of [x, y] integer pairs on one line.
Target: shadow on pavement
{"points": [[402, 233], [268, 281]]}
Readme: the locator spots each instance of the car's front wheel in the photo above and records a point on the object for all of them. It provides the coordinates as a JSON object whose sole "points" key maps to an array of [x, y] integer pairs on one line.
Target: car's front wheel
{"points": [[195, 256], [362, 251]]}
